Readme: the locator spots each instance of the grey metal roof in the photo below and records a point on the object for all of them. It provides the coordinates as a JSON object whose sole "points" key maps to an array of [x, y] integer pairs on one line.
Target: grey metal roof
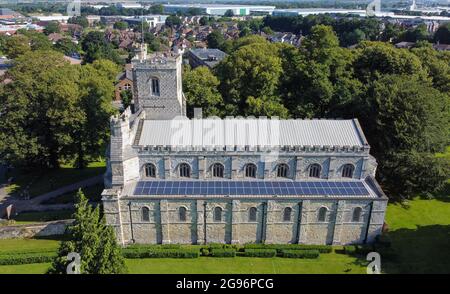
{"points": [[205, 54], [251, 132]]}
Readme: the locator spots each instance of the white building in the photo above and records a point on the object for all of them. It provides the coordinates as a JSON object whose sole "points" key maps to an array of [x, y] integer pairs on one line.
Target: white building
{"points": [[219, 9]]}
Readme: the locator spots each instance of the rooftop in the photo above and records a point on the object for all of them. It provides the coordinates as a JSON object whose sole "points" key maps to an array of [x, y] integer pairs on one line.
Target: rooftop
{"points": [[252, 132], [210, 56]]}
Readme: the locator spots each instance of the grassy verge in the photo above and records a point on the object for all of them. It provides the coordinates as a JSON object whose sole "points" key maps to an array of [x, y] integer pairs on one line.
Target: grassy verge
{"points": [[43, 181]]}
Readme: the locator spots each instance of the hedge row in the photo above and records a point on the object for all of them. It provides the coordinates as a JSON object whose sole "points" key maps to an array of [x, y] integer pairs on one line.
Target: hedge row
{"points": [[301, 254], [260, 253], [222, 252], [281, 247], [14, 259], [160, 253]]}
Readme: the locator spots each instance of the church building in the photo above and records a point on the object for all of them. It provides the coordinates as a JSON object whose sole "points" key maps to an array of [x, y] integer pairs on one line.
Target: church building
{"points": [[171, 179]]}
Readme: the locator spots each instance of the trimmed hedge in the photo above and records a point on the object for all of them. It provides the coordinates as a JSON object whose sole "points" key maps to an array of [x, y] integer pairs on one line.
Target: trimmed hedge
{"points": [[281, 247], [310, 254], [26, 258], [222, 252], [160, 253], [260, 252], [350, 249]]}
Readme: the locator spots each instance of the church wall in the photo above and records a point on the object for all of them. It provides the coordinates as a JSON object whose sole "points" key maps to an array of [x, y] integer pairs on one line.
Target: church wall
{"points": [[279, 230], [319, 232], [182, 231]]}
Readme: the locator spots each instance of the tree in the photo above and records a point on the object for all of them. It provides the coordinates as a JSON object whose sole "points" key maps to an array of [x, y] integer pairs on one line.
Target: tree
{"points": [[96, 47], [121, 25], [52, 27], [16, 45], [96, 93], [229, 13], [402, 112], [157, 9], [173, 21], [200, 88], [215, 39], [79, 20], [40, 110], [252, 70], [442, 34], [37, 40], [67, 47], [95, 241]]}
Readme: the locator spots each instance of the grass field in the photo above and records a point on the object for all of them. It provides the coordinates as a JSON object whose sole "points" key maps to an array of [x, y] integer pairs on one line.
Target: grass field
{"points": [[420, 236], [39, 182]]}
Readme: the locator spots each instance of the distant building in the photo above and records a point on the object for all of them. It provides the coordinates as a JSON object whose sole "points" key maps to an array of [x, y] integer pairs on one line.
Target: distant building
{"points": [[405, 45], [152, 20], [218, 9], [128, 5], [205, 57], [125, 82], [6, 13]]}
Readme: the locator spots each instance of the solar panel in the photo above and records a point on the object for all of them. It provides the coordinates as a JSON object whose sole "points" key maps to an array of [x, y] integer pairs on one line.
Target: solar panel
{"points": [[232, 188]]}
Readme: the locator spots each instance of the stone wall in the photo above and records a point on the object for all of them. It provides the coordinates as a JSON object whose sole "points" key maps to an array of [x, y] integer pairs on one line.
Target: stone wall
{"points": [[36, 230], [303, 226]]}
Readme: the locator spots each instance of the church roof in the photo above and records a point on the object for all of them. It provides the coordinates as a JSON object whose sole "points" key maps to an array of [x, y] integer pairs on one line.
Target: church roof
{"points": [[252, 132]]}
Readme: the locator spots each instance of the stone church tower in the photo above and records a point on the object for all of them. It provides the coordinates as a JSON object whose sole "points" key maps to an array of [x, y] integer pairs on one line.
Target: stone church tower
{"points": [[158, 85]]}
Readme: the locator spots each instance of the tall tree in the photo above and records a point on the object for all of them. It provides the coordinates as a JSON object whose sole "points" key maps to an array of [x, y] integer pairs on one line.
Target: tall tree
{"points": [[93, 240], [200, 88]]}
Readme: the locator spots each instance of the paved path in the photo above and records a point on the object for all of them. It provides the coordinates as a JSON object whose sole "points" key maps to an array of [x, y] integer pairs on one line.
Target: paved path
{"points": [[35, 202]]}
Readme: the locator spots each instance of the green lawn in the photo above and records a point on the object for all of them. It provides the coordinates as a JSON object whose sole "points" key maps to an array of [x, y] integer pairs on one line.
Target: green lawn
{"points": [[420, 236], [40, 182]]}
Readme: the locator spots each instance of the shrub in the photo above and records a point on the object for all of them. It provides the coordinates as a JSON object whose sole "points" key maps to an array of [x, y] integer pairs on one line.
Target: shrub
{"points": [[160, 253], [204, 251], [301, 253], [281, 247], [26, 258], [350, 249], [260, 252], [223, 253]]}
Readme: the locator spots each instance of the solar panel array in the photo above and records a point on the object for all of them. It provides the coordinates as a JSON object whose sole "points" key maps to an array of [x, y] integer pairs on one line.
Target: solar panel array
{"points": [[250, 188]]}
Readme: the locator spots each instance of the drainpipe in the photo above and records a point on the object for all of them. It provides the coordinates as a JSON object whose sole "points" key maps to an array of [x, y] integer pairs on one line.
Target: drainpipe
{"points": [[131, 222], [263, 222], [299, 221], [204, 223], [368, 223]]}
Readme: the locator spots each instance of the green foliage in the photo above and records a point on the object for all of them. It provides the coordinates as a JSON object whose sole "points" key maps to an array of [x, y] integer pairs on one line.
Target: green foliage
{"points": [[52, 27], [15, 46], [97, 47], [281, 247], [26, 258], [160, 253], [215, 252], [38, 41], [173, 21], [121, 25], [229, 13], [67, 47], [442, 34], [260, 252], [93, 240], [79, 20], [252, 70], [53, 110], [200, 89], [308, 254], [215, 39]]}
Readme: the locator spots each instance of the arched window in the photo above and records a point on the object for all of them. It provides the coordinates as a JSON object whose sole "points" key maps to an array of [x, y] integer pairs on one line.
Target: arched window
{"points": [[356, 214], [217, 214], [185, 170], [155, 86], [250, 170], [218, 170], [314, 170], [322, 214], [127, 86], [150, 170], [182, 214], [347, 171], [252, 214], [287, 214], [282, 170], [145, 214]]}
